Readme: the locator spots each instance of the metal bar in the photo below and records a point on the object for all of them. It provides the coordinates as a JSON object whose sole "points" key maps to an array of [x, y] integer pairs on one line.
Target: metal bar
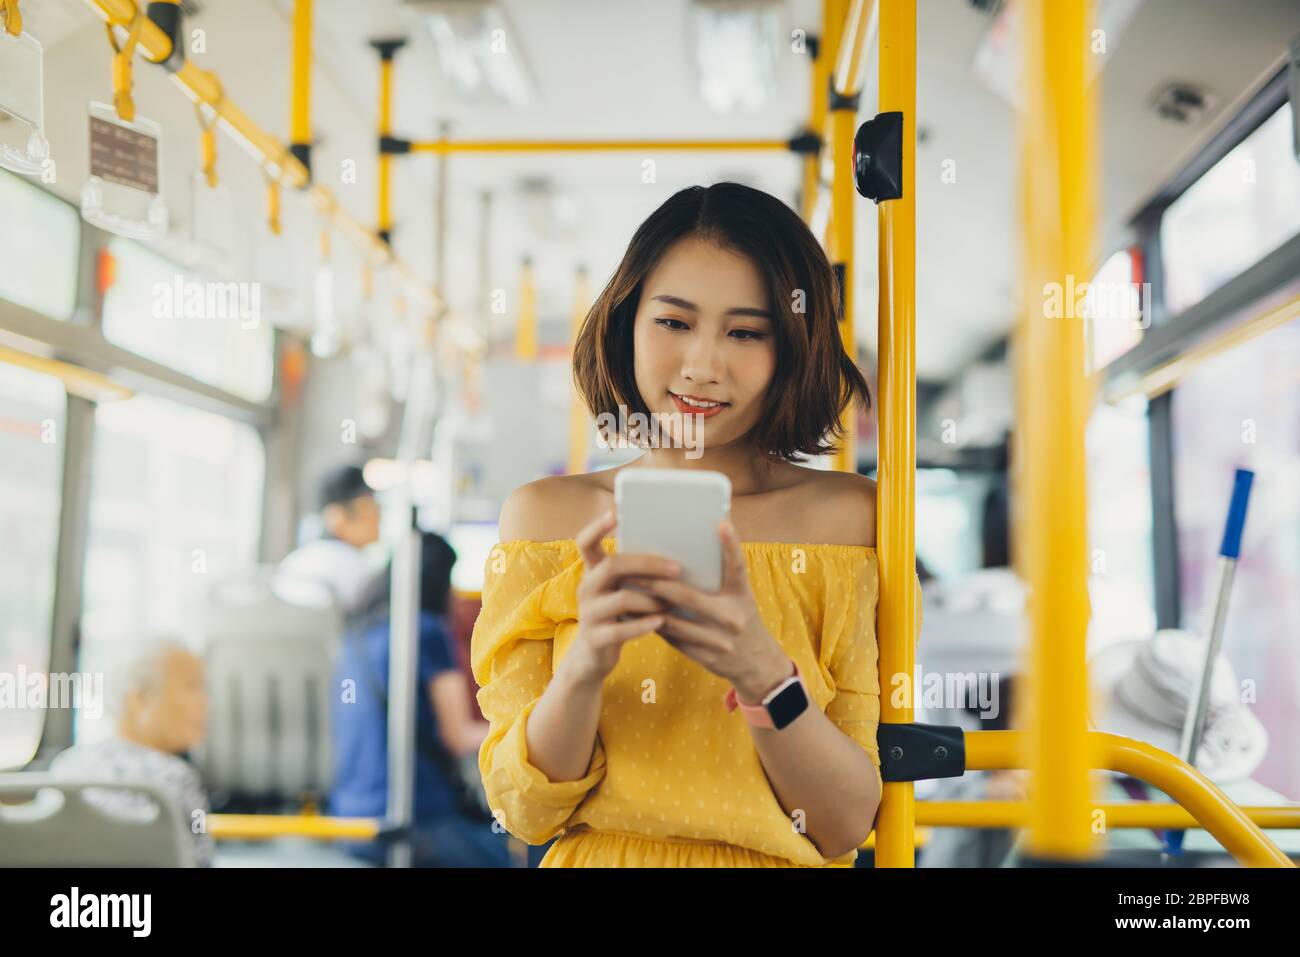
{"points": [[1161, 378], [203, 86], [403, 651], [1057, 125], [856, 47], [1211, 808], [592, 146], [1193, 724], [1164, 516], [74, 521], [86, 347], [896, 414], [1127, 814]]}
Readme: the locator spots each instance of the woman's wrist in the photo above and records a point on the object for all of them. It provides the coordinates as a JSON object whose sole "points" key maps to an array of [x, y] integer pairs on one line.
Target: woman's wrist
{"points": [[766, 674], [578, 672]]}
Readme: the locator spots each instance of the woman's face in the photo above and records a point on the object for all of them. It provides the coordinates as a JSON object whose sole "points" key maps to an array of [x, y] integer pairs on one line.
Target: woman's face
{"points": [[704, 330]]}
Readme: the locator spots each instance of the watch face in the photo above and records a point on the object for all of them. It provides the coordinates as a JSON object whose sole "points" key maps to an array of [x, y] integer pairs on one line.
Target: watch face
{"points": [[788, 705]]}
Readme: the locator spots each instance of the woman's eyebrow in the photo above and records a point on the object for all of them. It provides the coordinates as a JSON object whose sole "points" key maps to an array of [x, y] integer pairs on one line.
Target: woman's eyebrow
{"points": [[692, 307]]}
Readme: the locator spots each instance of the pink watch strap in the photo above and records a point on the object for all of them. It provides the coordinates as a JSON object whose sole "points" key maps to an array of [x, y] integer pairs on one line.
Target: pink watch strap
{"points": [[755, 714]]}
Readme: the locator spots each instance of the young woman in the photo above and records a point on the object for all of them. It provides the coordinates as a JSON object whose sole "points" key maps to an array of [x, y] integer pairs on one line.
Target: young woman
{"points": [[608, 716]]}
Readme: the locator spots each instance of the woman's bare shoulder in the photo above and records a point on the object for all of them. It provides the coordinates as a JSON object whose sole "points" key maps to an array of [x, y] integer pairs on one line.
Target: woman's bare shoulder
{"points": [[552, 508], [840, 508]]}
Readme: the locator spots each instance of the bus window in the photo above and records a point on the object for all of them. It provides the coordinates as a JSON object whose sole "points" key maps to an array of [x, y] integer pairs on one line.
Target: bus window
{"points": [[175, 504], [1121, 580], [1114, 312], [40, 275], [31, 448], [1246, 206], [213, 331], [1242, 409]]}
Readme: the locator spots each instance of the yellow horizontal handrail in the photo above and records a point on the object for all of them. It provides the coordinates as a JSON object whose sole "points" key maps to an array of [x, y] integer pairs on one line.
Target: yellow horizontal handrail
{"points": [[1125, 814], [76, 380], [1165, 376], [204, 87], [1204, 800], [582, 146], [243, 827]]}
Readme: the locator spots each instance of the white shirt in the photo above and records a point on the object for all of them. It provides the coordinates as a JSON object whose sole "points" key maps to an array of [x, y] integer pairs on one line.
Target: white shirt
{"points": [[117, 759], [335, 564]]}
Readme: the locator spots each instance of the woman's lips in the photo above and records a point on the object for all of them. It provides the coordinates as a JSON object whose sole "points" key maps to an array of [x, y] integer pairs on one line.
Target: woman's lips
{"points": [[696, 410]]}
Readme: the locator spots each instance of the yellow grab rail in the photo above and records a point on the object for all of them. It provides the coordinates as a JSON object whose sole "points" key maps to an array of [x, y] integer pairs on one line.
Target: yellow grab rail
{"points": [[1205, 801], [896, 416], [202, 86], [246, 827], [1123, 814]]}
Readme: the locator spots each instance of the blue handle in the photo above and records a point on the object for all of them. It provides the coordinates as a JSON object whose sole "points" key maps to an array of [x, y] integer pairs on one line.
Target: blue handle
{"points": [[1231, 547]]}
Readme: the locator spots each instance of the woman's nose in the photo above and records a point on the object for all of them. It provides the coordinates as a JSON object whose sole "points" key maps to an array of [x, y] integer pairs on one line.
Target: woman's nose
{"points": [[701, 362]]}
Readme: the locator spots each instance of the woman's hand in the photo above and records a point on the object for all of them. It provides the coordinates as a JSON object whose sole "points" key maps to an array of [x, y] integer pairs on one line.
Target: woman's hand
{"points": [[603, 601], [729, 638]]}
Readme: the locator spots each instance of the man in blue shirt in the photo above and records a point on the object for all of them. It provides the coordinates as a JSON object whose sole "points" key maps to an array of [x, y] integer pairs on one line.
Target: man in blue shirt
{"points": [[446, 834]]}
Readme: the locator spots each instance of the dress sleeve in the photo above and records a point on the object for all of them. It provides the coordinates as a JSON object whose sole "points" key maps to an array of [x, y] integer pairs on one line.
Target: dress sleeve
{"points": [[511, 651], [851, 653]]}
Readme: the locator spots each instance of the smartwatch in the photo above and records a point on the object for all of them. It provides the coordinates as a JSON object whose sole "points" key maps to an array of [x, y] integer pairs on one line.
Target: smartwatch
{"points": [[778, 708]]}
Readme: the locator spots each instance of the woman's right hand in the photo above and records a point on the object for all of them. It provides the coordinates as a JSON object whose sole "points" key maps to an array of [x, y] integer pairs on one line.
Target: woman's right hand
{"points": [[602, 601]]}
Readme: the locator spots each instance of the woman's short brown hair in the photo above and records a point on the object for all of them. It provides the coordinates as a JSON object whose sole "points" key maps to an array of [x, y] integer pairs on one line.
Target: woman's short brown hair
{"points": [[804, 296]]}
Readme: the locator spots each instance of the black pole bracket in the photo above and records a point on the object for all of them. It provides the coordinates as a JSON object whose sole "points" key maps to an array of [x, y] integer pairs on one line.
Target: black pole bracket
{"points": [[878, 157], [921, 752], [167, 17], [386, 48], [808, 143], [302, 153], [392, 145], [837, 101]]}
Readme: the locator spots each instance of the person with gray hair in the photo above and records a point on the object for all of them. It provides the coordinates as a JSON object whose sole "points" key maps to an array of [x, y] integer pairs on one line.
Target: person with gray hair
{"points": [[159, 702]]}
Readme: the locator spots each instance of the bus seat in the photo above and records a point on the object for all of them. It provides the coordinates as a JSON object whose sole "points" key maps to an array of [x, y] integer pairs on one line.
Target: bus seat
{"points": [[49, 822], [270, 666]]}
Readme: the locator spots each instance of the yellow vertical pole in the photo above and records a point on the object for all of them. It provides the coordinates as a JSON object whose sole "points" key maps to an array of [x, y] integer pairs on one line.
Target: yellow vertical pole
{"points": [[526, 330], [821, 75], [1057, 128], [843, 116], [833, 13], [300, 102], [579, 421], [896, 417], [383, 187]]}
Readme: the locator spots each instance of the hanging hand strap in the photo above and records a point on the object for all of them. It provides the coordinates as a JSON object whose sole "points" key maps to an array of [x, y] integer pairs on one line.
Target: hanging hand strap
{"points": [[208, 133], [13, 17], [124, 56]]}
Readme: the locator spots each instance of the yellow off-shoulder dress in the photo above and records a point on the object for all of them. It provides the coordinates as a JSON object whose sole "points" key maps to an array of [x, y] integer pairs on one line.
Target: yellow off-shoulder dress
{"points": [[674, 778]]}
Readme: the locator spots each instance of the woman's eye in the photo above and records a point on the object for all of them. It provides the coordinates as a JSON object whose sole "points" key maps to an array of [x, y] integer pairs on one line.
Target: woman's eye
{"points": [[748, 334], [668, 323]]}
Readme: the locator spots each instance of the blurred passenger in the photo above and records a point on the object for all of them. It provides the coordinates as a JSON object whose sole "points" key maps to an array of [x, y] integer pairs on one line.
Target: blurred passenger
{"points": [[161, 708], [453, 827], [350, 516]]}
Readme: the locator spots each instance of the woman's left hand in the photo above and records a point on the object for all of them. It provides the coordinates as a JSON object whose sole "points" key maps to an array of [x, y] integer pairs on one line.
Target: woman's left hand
{"points": [[729, 638]]}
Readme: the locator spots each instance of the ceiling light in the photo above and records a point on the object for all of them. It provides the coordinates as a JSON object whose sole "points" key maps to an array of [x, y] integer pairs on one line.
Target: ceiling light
{"points": [[737, 44], [478, 51]]}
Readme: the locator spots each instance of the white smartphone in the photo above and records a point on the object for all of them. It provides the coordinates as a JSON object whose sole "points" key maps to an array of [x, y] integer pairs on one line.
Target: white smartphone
{"points": [[675, 513]]}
